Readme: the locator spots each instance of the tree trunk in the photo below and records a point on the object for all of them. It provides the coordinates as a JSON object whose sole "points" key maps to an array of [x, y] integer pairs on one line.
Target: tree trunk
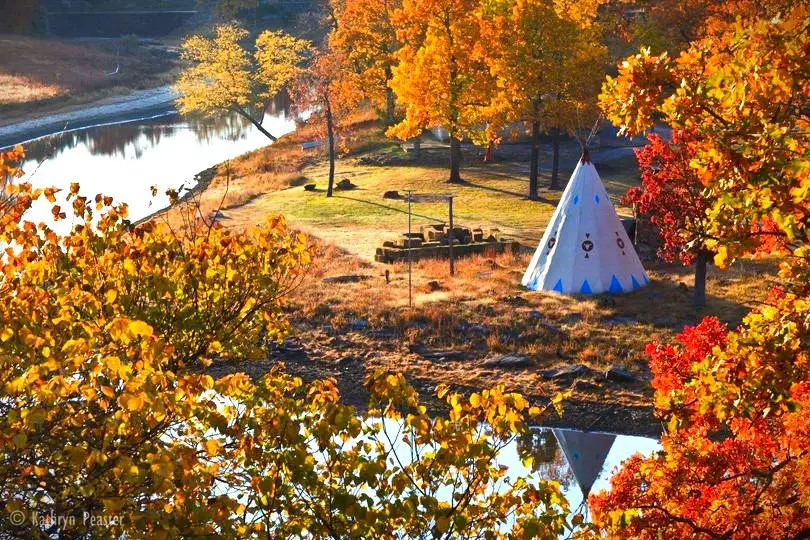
{"points": [[535, 161], [555, 159], [699, 297], [331, 135], [390, 98], [455, 160], [417, 148], [255, 122], [389, 106]]}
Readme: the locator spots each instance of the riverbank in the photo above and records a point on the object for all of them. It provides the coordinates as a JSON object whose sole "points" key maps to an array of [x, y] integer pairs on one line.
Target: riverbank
{"points": [[47, 84], [475, 329]]}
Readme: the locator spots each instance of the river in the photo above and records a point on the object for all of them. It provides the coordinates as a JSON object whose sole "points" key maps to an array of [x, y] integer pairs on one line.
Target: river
{"points": [[125, 159]]}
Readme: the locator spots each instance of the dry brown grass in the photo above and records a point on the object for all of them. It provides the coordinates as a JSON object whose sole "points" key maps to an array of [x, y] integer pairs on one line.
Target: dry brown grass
{"points": [[38, 71], [486, 292], [21, 89], [483, 311]]}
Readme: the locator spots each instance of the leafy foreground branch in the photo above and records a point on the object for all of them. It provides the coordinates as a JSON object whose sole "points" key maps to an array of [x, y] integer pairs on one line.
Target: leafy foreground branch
{"points": [[105, 412], [736, 452]]}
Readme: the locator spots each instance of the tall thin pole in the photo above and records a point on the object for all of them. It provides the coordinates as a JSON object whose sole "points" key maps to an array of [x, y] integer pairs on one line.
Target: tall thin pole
{"points": [[410, 293], [451, 235]]}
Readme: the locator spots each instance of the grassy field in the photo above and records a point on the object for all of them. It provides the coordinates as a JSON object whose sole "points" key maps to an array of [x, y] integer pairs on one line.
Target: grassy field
{"points": [[39, 74], [271, 181], [493, 196]]}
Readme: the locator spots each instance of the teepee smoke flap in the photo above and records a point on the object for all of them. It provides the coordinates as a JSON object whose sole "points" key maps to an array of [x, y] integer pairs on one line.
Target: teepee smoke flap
{"points": [[585, 249]]}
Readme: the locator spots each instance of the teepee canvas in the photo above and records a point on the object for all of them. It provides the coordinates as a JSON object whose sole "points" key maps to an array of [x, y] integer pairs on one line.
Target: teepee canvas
{"points": [[585, 249], [586, 454]]}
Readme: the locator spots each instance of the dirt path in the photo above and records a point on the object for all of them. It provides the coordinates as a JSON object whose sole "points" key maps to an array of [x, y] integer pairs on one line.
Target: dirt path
{"points": [[134, 106]]}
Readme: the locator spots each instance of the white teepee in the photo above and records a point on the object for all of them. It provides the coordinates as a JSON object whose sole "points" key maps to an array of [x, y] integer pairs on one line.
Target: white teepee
{"points": [[586, 454], [585, 249]]}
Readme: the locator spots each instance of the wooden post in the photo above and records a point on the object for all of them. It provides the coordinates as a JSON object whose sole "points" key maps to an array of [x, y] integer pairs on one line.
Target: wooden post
{"points": [[450, 236]]}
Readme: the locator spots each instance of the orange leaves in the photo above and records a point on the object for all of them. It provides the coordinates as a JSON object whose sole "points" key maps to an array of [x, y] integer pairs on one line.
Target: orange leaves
{"points": [[630, 99], [212, 446], [366, 35], [439, 73], [546, 60]]}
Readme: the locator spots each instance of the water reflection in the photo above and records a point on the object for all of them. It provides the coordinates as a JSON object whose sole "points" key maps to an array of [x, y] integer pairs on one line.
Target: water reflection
{"points": [[123, 160], [132, 139], [549, 460], [583, 462], [585, 454]]}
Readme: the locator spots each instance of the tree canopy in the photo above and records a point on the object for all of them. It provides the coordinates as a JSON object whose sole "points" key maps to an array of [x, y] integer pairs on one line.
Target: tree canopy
{"points": [[735, 457], [221, 75], [441, 78]]}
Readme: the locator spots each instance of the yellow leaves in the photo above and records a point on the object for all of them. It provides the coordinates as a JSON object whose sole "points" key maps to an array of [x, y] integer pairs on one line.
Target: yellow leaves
{"points": [[558, 399], [132, 402], [129, 267], [139, 328], [126, 330], [6, 334], [219, 74], [110, 296], [212, 447], [721, 257], [442, 524], [279, 56]]}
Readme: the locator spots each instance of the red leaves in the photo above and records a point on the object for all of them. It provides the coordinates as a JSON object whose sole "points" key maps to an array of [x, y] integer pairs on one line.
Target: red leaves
{"points": [[672, 364], [673, 197]]}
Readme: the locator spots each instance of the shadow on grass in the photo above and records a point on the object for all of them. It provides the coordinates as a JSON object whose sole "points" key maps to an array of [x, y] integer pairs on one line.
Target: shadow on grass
{"points": [[467, 183], [391, 208], [664, 303]]}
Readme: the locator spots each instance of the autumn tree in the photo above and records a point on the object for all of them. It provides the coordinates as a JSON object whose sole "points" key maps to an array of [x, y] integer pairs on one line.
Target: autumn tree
{"points": [[675, 201], [366, 37], [441, 78], [547, 61], [735, 460], [104, 414], [328, 94], [222, 76], [747, 141]]}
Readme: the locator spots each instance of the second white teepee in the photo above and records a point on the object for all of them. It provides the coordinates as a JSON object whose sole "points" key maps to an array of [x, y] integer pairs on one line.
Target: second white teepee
{"points": [[585, 249]]}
